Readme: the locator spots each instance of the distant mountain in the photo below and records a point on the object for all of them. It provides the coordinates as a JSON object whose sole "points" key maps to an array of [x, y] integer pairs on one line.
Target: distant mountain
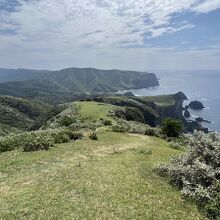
{"points": [[66, 83], [10, 75]]}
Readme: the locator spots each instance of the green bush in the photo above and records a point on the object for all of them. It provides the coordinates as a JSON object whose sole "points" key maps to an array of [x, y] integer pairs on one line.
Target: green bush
{"points": [[36, 141], [175, 145], [32, 141], [93, 136], [74, 135], [213, 208], [150, 132], [39, 140], [66, 121], [63, 135], [196, 173], [8, 144], [106, 122], [59, 136], [120, 128], [171, 127]]}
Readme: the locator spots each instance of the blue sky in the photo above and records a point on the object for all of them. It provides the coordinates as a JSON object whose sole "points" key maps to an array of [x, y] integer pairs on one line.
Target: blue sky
{"points": [[122, 34]]}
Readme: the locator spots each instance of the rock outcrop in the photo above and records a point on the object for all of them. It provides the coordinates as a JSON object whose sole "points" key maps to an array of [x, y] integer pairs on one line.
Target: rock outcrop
{"points": [[200, 119], [196, 105], [187, 114]]}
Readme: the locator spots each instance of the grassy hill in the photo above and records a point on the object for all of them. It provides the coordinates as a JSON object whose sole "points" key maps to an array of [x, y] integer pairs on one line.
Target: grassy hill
{"points": [[64, 85], [111, 178], [92, 112]]}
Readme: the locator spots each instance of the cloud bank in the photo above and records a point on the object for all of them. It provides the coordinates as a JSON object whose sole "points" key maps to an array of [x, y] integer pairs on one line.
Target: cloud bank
{"points": [[90, 32]]}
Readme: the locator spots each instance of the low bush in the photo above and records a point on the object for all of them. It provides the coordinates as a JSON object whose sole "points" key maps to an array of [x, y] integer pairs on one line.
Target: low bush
{"points": [[120, 128], [64, 136], [38, 140], [32, 141], [175, 145], [197, 171], [171, 127], [107, 122], [93, 136], [150, 131], [67, 121]]}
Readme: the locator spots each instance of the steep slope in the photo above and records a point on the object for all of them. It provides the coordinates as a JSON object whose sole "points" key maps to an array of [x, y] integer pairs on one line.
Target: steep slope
{"points": [[20, 113]]}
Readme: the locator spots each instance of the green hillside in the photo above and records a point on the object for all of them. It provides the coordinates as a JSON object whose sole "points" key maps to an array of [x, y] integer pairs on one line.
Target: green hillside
{"points": [[68, 84], [20, 113]]}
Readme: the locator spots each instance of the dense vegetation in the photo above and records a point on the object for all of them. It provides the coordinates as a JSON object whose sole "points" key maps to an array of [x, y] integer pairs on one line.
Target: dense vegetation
{"points": [[20, 113], [197, 173], [172, 127], [38, 140]]}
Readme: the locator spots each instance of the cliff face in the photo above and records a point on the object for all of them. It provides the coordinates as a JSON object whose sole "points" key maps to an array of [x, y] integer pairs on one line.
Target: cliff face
{"points": [[175, 110], [153, 110]]}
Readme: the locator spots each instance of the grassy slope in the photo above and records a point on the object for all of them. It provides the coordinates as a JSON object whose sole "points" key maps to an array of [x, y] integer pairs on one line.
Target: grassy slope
{"points": [[83, 112], [94, 111], [104, 179]]}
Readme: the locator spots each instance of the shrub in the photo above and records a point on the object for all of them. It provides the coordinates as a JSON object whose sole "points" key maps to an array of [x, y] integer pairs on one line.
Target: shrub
{"points": [[74, 135], [36, 141], [175, 145], [59, 136], [9, 143], [197, 172], [150, 131], [32, 141], [66, 121], [39, 140], [106, 122], [120, 128], [213, 208], [93, 136], [171, 127]]}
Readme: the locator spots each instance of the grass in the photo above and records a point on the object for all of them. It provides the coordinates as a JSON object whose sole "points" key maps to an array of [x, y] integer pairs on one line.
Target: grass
{"points": [[161, 100], [104, 179], [94, 111]]}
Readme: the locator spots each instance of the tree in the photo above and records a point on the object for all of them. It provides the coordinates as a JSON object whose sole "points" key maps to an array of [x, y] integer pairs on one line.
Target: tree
{"points": [[172, 127]]}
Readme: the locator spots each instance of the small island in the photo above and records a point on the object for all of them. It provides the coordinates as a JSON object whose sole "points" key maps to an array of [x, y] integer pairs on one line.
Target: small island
{"points": [[196, 105]]}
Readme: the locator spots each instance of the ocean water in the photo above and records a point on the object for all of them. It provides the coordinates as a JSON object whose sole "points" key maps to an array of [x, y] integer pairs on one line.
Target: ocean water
{"points": [[203, 86]]}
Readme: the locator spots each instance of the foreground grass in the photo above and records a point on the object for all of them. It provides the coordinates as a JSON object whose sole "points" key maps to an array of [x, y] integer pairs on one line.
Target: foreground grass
{"points": [[111, 178]]}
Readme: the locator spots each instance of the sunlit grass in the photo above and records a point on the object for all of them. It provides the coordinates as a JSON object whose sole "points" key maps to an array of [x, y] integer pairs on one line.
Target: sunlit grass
{"points": [[105, 179]]}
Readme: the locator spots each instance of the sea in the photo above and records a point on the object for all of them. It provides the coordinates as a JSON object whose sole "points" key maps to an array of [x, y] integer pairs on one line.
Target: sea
{"points": [[203, 86]]}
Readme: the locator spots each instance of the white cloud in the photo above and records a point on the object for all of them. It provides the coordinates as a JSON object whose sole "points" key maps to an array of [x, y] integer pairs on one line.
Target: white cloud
{"points": [[208, 6], [59, 29]]}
